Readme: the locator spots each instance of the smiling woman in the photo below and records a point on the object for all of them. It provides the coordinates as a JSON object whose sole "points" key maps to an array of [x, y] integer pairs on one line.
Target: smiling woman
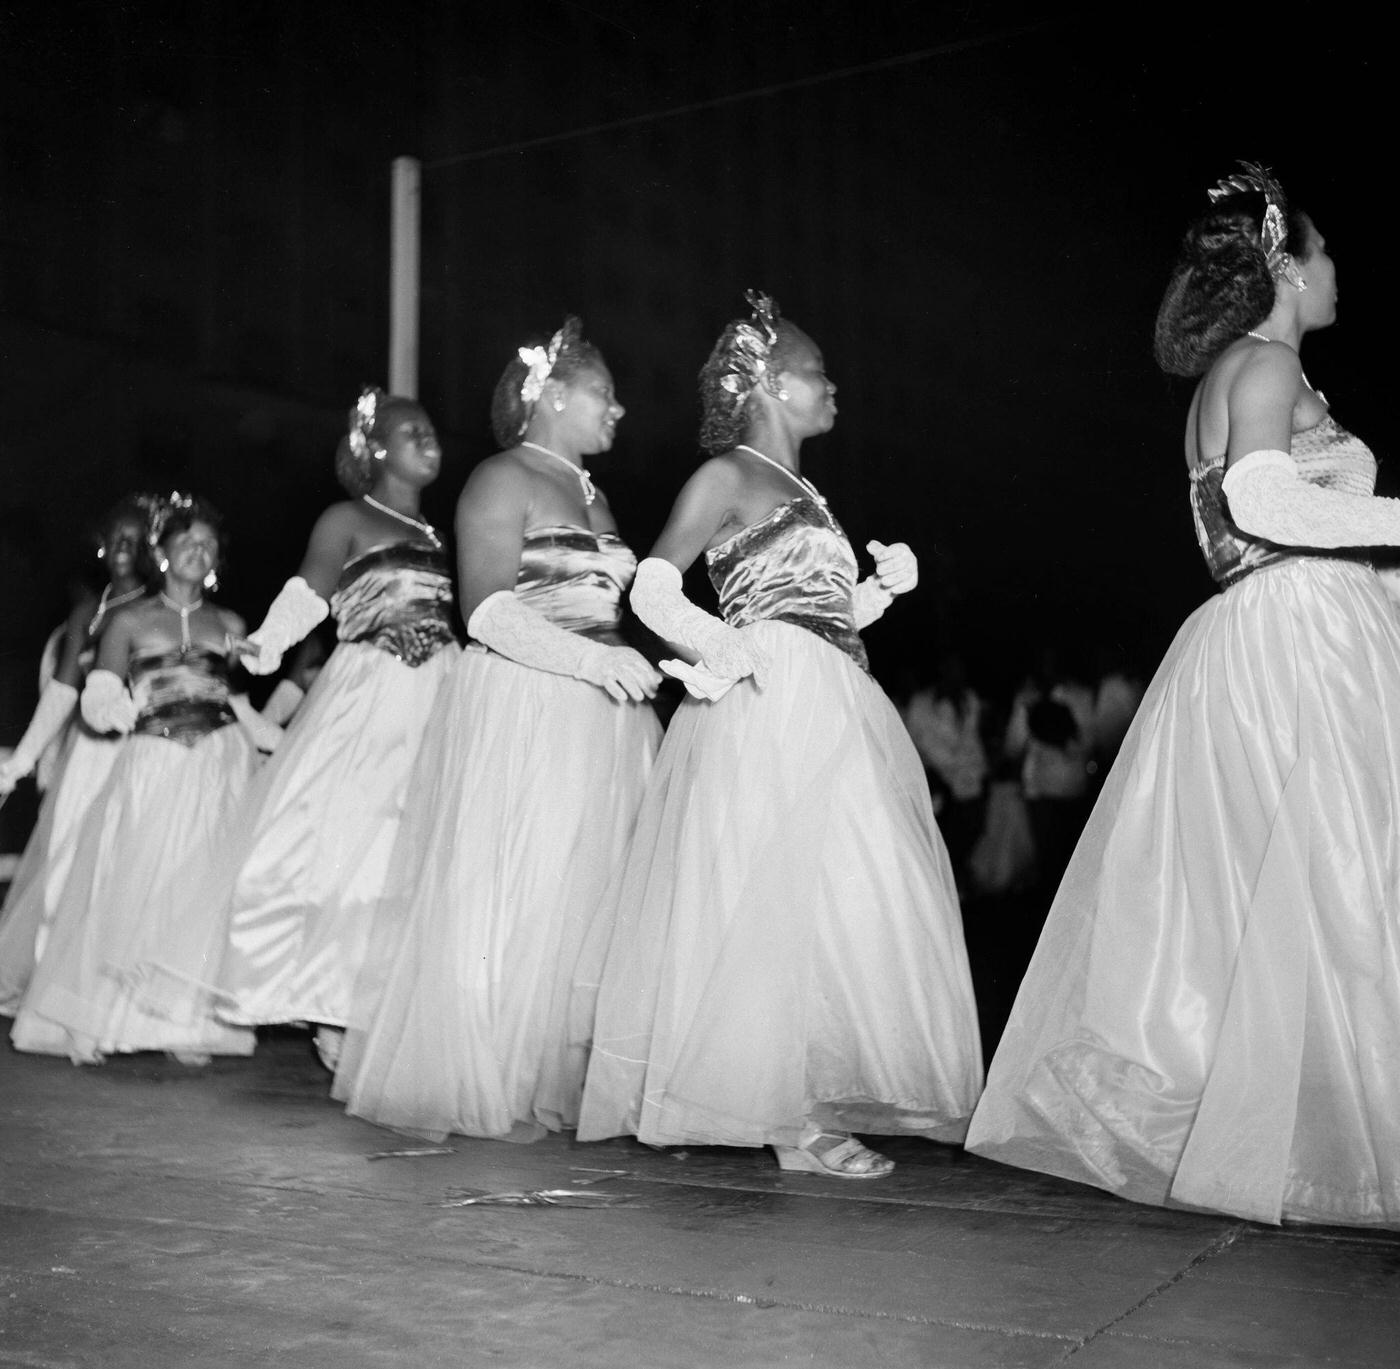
{"points": [[126, 908], [306, 862], [526, 786]]}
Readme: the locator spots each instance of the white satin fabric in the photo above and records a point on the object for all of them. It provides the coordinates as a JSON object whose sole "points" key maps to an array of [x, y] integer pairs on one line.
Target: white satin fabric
{"points": [[84, 762], [1212, 1016], [787, 943], [307, 857], [147, 839], [519, 811]]}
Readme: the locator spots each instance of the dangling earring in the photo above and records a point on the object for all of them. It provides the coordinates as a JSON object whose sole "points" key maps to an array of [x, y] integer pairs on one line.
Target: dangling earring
{"points": [[211, 581], [558, 406], [783, 394], [102, 553], [162, 565]]}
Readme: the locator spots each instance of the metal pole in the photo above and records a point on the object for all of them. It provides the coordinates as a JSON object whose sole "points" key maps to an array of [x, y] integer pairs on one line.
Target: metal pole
{"points": [[403, 277]]}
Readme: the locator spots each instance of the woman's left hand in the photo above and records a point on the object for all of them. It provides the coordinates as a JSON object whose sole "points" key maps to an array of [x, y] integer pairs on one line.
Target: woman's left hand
{"points": [[896, 566]]}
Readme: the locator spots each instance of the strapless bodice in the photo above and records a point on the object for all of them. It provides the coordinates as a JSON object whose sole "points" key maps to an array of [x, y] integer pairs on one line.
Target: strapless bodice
{"points": [[576, 579], [398, 598], [795, 566], [180, 695], [1326, 455]]}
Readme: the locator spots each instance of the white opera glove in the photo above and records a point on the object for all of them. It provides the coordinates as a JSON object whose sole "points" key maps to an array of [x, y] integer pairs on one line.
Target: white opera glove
{"points": [[869, 600], [896, 566], [106, 705], [728, 652], [291, 615], [513, 629], [283, 702], [1269, 499], [264, 735], [56, 705]]}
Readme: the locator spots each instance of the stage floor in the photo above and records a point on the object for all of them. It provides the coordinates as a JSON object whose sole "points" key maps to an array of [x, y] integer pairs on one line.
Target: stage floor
{"points": [[159, 1216]]}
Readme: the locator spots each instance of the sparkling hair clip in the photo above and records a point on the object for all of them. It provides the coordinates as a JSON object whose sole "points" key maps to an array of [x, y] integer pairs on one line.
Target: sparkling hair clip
{"points": [[362, 418], [540, 361], [750, 346], [1254, 178], [162, 509]]}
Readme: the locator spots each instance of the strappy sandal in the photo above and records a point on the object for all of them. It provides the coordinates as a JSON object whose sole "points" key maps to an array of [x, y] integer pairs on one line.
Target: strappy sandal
{"points": [[835, 1155]]}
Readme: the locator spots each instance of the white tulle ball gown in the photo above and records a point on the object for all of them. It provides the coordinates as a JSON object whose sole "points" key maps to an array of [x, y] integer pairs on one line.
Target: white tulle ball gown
{"points": [[308, 855], [519, 810], [784, 945], [1212, 1017], [128, 903]]}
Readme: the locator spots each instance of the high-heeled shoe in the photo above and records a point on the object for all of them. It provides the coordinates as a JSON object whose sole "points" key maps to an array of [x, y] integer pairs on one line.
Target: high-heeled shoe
{"points": [[833, 1154]]}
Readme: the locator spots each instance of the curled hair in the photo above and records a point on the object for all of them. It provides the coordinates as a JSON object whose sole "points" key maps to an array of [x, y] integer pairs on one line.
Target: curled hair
{"points": [[367, 426], [510, 409], [724, 415], [1221, 285]]}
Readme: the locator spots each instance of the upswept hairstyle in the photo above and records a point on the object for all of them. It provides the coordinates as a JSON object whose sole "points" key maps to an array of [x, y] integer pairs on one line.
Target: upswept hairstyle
{"points": [[518, 390], [1221, 285], [749, 352], [176, 513], [366, 426]]}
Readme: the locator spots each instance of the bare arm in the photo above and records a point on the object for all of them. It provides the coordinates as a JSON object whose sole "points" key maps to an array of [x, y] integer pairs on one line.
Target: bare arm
{"points": [[492, 515], [329, 548], [74, 639], [114, 650], [1261, 401], [705, 508]]}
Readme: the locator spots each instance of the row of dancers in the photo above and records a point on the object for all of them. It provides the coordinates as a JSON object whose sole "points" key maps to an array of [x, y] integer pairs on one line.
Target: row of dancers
{"points": [[510, 905]]}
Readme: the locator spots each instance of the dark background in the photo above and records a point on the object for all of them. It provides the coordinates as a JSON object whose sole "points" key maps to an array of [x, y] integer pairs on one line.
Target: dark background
{"points": [[972, 208]]}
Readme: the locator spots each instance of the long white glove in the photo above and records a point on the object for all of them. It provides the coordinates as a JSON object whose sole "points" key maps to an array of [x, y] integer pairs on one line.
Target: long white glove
{"points": [[264, 735], [291, 615], [896, 572], [106, 705], [56, 705], [1269, 499], [728, 652], [514, 629]]}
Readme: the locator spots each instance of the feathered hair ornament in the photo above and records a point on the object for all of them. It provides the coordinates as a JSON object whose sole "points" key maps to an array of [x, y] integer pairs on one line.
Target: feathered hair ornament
{"points": [[1255, 179], [749, 347], [540, 361], [161, 509]]}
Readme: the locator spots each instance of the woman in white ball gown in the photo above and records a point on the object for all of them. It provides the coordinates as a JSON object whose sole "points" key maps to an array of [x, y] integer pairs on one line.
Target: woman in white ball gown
{"points": [[526, 787], [787, 965], [1212, 1017]]}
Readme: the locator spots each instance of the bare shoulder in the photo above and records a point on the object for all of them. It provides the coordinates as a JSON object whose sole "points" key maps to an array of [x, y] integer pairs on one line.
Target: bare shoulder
{"points": [[232, 621], [1271, 370], [500, 479]]}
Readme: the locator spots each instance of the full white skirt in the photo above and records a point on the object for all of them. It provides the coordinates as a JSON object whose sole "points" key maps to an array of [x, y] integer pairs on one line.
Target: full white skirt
{"points": [[519, 809], [784, 943], [1212, 1017]]}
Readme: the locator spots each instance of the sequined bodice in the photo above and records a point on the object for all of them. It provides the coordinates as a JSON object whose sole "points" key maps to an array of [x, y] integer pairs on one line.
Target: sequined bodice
{"points": [[794, 565], [1327, 456], [397, 598], [180, 695], [576, 579]]}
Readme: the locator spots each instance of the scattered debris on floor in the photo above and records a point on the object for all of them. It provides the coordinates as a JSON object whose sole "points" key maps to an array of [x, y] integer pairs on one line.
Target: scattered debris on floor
{"points": [[410, 1154]]}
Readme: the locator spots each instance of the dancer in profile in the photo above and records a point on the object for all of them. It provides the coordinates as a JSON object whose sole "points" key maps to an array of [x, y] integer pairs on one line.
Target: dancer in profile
{"points": [[787, 965], [1212, 1016], [308, 857], [526, 786], [77, 759], [161, 676]]}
